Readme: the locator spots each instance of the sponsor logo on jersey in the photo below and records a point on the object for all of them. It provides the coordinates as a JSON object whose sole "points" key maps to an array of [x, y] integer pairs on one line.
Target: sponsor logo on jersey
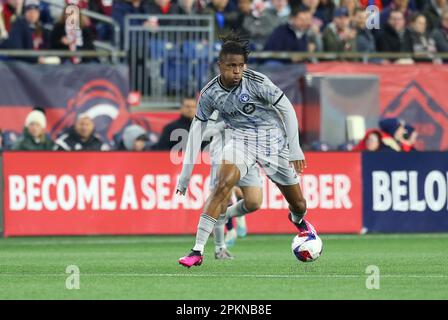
{"points": [[249, 108]]}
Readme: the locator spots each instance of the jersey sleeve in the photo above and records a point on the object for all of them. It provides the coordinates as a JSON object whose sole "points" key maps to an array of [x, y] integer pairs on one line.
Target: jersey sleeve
{"points": [[269, 92], [205, 108]]}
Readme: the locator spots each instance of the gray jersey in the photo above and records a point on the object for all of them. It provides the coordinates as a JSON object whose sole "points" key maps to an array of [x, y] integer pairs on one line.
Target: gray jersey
{"points": [[249, 110], [259, 120]]}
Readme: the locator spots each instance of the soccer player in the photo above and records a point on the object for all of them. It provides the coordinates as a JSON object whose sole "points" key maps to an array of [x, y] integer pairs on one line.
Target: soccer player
{"points": [[264, 130], [250, 196]]}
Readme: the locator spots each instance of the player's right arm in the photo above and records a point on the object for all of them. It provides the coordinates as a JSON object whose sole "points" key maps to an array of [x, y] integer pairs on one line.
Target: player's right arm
{"points": [[195, 137]]}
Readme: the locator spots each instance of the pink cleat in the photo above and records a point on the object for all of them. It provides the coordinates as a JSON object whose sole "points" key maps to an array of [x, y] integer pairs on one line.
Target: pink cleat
{"points": [[305, 228], [195, 258]]}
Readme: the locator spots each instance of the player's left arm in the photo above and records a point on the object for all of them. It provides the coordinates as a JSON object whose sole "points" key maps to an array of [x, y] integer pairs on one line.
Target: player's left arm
{"points": [[296, 156], [273, 95]]}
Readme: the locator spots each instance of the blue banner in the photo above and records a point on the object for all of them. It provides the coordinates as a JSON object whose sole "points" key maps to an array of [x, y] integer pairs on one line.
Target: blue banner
{"points": [[405, 192], [65, 91]]}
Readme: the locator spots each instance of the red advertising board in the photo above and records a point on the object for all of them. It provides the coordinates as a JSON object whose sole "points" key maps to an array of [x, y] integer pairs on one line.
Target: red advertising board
{"points": [[134, 193]]}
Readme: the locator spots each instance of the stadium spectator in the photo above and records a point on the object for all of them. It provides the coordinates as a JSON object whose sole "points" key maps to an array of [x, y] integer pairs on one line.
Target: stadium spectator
{"points": [[27, 33], [103, 30], [372, 142], [419, 4], [365, 3], [433, 13], [422, 44], [338, 36], [81, 136], [409, 139], [270, 19], [46, 18], [189, 7], [187, 113], [34, 137], [296, 35], [121, 8], [396, 5], [317, 23], [62, 38], [250, 22], [351, 6], [135, 138], [161, 7], [1, 140], [440, 35], [395, 37], [325, 11], [220, 9], [3, 31], [101, 6], [393, 130], [11, 9], [365, 40]]}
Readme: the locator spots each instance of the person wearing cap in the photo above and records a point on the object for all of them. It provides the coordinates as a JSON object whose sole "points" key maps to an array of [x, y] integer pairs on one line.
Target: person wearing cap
{"points": [[393, 130], [135, 138], [409, 139], [27, 32], [34, 137], [338, 36], [81, 137]]}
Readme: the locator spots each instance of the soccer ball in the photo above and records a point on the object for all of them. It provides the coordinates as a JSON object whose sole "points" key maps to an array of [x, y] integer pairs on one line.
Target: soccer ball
{"points": [[307, 248]]}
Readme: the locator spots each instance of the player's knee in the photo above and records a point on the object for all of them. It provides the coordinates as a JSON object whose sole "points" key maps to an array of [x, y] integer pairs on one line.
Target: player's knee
{"points": [[298, 206], [252, 205]]}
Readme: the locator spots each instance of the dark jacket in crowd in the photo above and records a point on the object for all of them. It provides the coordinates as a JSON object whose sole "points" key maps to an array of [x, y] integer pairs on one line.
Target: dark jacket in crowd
{"points": [[440, 36], [121, 8], [59, 32], [390, 41], [164, 141], [25, 37], [325, 12], [28, 143], [365, 40], [334, 43], [432, 16], [71, 141], [284, 38]]}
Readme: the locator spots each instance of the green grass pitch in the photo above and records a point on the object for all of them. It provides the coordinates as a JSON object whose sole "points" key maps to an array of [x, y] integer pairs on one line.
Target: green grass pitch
{"points": [[145, 267]]}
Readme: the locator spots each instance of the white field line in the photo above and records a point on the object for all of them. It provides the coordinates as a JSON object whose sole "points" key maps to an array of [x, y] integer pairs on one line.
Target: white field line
{"points": [[227, 275]]}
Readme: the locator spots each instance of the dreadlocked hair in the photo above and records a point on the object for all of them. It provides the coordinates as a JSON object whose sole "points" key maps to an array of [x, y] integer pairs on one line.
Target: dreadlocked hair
{"points": [[233, 43]]}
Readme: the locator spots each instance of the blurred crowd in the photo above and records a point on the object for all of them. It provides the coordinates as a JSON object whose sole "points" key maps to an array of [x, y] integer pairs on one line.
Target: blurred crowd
{"points": [[393, 134], [418, 26], [82, 135]]}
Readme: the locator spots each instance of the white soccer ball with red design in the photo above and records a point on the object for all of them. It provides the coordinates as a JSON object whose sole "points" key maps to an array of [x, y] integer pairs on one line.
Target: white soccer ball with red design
{"points": [[307, 247]]}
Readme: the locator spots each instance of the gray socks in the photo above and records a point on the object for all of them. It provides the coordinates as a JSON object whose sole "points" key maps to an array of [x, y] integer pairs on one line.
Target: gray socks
{"points": [[205, 227]]}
